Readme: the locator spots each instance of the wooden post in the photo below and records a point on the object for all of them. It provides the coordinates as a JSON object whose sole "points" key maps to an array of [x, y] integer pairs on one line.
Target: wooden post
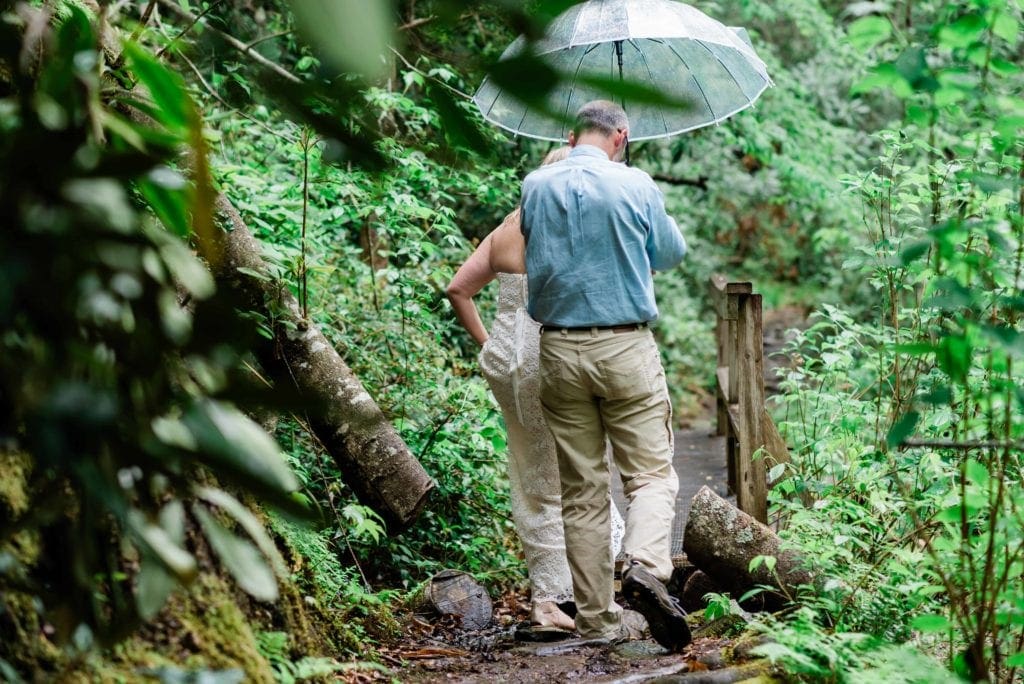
{"points": [[751, 486], [722, 341]]}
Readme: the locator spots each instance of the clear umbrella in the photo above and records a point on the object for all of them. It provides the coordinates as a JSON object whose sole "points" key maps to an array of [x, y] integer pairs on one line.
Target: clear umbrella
{"points": [[666, 45]]}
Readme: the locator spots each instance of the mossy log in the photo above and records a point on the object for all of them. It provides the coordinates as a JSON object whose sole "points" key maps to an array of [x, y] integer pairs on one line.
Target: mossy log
{"points": [[722, 541], [374, 460]]}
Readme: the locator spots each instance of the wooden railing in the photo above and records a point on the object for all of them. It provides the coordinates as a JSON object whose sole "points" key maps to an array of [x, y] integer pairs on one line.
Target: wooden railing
{"points": [[742, 417]]}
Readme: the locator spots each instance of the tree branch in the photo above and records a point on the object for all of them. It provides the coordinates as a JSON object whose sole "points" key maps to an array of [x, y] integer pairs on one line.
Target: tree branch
{"points": [[699, 182], [174, 8]]}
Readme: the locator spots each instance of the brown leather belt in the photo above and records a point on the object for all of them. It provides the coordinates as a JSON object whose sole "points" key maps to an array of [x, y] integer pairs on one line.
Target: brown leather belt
{"points": [[621, 328]]}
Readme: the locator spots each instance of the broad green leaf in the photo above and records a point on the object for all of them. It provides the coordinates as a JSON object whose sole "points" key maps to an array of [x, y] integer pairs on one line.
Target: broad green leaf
{"points": [[1006, 27], [162, 545], [187, 268], [239, 556], [954, 357], [169, 206], [883, 77], [869, 31], [976, 472], [903, 428], [223, 432], [355, 36], [155, 584], [962, 32], [249, 523], [1016, 660], [930, 623], [174, 109]]}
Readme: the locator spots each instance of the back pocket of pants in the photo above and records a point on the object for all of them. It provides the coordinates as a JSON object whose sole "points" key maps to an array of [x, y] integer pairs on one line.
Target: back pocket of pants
{"points": [[625, 378]]}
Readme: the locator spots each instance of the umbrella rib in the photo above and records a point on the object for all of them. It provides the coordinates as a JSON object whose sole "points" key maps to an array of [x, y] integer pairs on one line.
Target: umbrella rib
{"points": [[572, 88], [694, 77], [643, 57], [719, 60]]}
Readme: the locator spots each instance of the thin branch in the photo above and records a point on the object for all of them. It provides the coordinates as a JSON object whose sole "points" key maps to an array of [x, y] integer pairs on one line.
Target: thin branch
{"points": [[270, 37], [232, 41], [966, 445], [192, 23], [410, 67], [413, 23], [276, 133], [699, 182]]}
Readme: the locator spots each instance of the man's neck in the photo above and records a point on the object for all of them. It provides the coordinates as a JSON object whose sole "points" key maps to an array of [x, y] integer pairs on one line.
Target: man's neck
{"points": [[602, 142]]}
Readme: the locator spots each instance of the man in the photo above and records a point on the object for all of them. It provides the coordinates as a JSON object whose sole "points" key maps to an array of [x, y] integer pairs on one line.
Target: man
{"points": [[595, 230]]}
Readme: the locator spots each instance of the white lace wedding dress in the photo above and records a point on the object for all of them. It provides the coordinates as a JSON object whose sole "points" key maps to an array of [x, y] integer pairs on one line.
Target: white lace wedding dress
{"points": [[510, 363]]}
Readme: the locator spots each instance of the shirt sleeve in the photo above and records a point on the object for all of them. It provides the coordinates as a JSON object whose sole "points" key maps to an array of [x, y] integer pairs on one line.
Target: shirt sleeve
{"points": [[665, 244]]}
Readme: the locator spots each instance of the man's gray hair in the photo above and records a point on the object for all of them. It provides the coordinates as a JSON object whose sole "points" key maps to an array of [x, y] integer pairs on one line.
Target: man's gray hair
{"points": [[600, 115]]}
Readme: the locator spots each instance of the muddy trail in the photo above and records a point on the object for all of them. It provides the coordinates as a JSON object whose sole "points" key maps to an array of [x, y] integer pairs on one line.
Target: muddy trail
{"points": [[435, 648]]}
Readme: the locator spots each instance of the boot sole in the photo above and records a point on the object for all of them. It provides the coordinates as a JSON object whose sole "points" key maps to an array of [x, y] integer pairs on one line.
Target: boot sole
{"points": [[667, 623]]}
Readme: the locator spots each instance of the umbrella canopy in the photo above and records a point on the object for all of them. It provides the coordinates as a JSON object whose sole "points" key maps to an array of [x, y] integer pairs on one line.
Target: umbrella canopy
{"points": [[663, 44]]}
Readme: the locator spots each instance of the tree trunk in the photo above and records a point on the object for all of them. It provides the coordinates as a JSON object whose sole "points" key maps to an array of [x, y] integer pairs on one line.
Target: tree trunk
{"points": [[373, 459], [721, 540]]}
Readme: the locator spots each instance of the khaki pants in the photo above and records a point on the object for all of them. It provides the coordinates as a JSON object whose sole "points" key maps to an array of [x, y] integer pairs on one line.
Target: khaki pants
{"points": [[599, 383]]}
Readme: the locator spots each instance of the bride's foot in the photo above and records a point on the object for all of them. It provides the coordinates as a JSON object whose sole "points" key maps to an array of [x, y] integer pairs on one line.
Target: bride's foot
{"points": [[548, 614]]}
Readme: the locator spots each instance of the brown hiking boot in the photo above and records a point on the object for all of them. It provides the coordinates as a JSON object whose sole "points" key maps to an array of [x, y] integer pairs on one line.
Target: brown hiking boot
{"points": [[647, 594]]}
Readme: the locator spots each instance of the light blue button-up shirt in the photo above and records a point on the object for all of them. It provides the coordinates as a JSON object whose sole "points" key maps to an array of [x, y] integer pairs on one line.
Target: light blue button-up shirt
{"points": [[595, 229]]}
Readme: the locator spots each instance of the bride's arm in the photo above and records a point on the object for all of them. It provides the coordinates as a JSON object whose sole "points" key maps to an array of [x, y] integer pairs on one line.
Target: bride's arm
{"points": [[508, 246], [471, 277]]}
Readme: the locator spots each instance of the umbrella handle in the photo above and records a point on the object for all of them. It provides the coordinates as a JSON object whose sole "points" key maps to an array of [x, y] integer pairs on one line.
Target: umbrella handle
{"points": [[618, 54]]}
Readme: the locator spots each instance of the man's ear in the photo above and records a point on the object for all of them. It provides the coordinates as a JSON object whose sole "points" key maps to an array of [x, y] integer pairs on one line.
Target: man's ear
{"points": [[620, 137], [572, 138]]}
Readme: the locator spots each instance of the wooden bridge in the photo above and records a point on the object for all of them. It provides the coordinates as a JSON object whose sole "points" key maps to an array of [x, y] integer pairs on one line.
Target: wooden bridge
{"points": [[734, 456]]}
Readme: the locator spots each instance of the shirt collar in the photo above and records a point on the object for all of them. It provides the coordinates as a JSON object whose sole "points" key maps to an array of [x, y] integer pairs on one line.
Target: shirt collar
{"points": [[588, 151]]}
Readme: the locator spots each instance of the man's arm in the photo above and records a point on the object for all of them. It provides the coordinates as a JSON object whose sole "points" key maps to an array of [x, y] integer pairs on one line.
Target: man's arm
{"points": [[665, 244]]}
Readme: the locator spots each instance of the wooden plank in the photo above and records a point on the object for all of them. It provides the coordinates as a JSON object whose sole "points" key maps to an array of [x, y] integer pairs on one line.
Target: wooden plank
{"points": [[732, 451], [722, 373], [721, 335], [724, 294], [751, 482], [717, 291], [775, 447]]}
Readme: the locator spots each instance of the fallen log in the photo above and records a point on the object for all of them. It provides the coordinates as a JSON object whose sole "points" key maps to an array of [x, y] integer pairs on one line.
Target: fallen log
{"points": [[722, 541], [373, 459]]}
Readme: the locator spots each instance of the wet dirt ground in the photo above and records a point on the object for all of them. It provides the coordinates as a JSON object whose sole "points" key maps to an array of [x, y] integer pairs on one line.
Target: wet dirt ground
{"points": [[438, 650]]}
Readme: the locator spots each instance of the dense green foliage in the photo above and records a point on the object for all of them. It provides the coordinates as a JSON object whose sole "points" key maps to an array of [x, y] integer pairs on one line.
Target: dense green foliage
{"points": [[879, 185]]}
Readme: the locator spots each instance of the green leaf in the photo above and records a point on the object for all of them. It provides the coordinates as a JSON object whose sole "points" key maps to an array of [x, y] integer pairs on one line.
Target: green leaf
{"points": [[353, 35], [884, 77], [1006, 27], [962, 32], [174, 108], [224, 433], [869, 31], [976, 472], [169, 206], [914, 251], [954, 357], [162, 545], [239, 556], [930, 623], [903, 428], [155, 585], [249, 523], [1016, 660]]}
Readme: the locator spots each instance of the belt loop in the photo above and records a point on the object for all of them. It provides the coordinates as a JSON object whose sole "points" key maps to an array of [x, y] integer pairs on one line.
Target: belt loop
{"points": [[593, 331], [564, 332]]}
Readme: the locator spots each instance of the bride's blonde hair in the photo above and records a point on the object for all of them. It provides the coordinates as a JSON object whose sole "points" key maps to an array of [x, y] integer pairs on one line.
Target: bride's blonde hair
{"points": [[556, 155]]}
